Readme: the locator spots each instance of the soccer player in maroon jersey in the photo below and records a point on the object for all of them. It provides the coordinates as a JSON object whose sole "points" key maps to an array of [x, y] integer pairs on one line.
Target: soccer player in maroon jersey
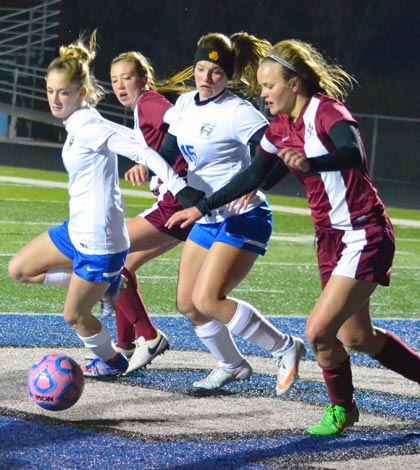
{"points": [[134, 85], [315, 137]]}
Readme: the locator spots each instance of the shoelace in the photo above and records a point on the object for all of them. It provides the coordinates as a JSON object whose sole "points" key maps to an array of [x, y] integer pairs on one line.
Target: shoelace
{"points": [[212, 374], [279, 362], [210, 379], [330, 417], [93, 364]]}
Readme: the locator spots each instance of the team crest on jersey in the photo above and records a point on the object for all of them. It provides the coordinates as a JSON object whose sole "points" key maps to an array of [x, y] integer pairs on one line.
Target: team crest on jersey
{"points": [[310, 131], [71, 140], [206, 129]]}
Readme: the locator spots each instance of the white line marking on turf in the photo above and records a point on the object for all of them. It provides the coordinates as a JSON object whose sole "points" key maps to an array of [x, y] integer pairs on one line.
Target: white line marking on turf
{"points": [[18, 222], [149, 195]]}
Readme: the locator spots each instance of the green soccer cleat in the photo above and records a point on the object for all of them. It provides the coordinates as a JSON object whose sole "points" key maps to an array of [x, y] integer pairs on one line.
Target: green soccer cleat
{"points": [[335, 421]]}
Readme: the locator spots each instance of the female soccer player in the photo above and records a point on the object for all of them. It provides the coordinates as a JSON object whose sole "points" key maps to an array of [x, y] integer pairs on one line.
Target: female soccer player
{"points": [[87, 253], [134, 85], [315, 137], [214, 129]]}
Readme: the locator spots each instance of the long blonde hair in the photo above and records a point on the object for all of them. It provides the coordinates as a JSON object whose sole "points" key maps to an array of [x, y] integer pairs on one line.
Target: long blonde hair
{"points": [[311, 67], [171, 87], [74, 62]]}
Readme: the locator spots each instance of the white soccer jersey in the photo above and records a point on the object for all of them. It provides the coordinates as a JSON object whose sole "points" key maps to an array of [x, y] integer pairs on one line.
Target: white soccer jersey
{"points": [[96, 221], [213, 138]]}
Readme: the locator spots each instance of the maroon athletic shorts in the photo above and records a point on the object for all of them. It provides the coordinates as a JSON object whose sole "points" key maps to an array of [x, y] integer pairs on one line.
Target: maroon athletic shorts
{"points": [[366, 253]]}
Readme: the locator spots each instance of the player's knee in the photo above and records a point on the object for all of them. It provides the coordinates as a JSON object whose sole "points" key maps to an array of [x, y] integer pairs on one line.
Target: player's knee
{"points": [[354, 342], [71, 317], [184, 305], [361, 341], [318, 338], [205, 303], [15, 270]]}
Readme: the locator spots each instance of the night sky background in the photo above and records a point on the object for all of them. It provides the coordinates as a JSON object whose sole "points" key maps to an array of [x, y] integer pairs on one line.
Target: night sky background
{"points": [[375, 40]]}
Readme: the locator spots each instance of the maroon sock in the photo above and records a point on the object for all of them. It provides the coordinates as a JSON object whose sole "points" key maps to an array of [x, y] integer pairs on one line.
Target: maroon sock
{"points": [[340, 384], [131, 306], [125, 331], [400, 358]]}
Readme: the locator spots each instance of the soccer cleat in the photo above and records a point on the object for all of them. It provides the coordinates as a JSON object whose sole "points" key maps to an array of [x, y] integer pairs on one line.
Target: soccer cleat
{"points": [[220, 377], [126, 352], [109, 300], [146, 351], [287, 363], [89, 355], [335, 421], [99, 368]]}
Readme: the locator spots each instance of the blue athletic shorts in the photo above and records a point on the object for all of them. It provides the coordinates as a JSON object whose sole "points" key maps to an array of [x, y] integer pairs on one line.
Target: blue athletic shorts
{"points": [[250, 231], [93, 268]]}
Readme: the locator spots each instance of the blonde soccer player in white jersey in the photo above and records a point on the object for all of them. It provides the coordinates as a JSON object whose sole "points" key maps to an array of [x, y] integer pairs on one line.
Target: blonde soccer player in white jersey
{"points": [[214, 129], [87, 252]]}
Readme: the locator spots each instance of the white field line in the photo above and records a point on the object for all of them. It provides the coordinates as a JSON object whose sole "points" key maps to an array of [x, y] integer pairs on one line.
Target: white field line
{"points": [[60, 185], [277, 238], [260, 263], [16, 222], [149, 195], [178, 315]]}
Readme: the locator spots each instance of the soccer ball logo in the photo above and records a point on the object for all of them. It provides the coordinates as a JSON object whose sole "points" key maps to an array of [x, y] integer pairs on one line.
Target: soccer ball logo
{"points": [[55, 382]]}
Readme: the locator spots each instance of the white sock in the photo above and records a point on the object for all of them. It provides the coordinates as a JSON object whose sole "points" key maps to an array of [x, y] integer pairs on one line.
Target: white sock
{"points": [[100, 344], [250, 325], [218, 340], [59, 278]]}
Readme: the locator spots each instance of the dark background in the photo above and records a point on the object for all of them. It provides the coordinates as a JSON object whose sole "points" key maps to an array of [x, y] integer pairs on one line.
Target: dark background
{"points": [[375, 40]]}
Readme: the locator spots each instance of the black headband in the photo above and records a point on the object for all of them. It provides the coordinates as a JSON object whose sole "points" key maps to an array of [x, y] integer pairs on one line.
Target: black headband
{"points": [[225, 59]]}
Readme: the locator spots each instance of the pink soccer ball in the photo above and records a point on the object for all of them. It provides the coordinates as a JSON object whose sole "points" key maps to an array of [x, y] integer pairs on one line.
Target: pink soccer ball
{"points": [[55, 382]]}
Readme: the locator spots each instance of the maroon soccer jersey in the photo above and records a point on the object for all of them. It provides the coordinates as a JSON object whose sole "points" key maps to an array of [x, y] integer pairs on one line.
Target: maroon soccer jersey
{"points": [[149, 114], [337, 199], [150, 110]]}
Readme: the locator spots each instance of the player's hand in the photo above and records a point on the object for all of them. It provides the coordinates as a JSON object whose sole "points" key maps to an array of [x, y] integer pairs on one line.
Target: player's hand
{"points": [[242, 203], [294, 160], [184, 218], [137, 175]]}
